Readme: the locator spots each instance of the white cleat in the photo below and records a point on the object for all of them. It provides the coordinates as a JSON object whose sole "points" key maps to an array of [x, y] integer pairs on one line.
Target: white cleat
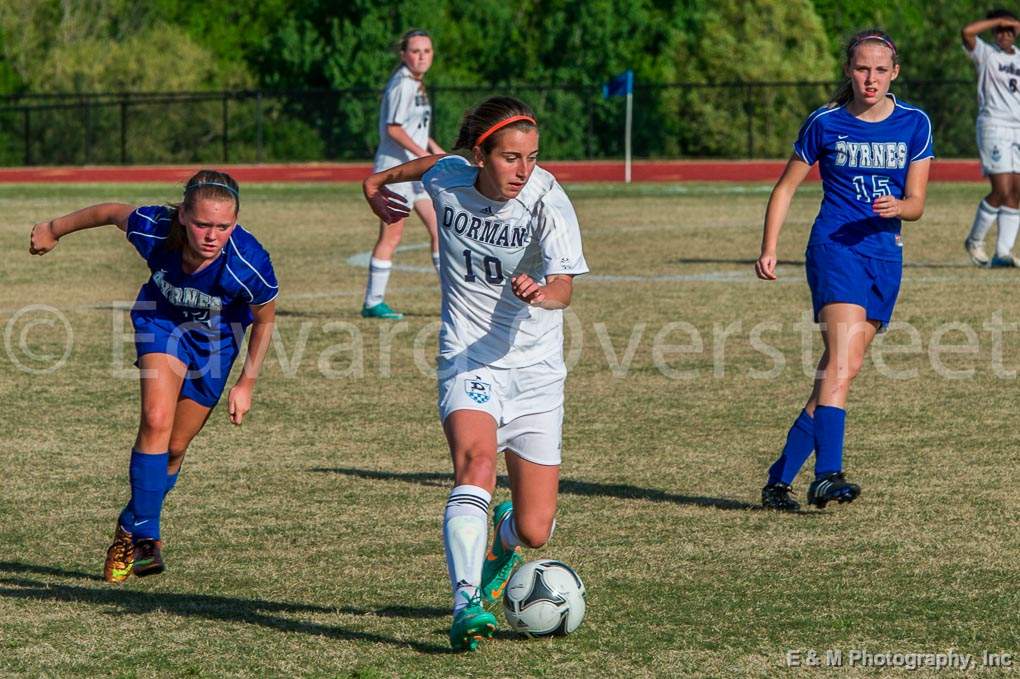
{"points": [[976, 250]]}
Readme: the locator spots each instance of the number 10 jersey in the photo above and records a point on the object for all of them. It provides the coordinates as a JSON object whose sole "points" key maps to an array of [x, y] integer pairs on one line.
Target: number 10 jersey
{"points": [[483, 244]]}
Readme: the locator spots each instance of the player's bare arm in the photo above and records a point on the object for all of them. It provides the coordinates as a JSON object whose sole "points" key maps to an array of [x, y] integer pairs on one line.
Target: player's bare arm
{"points": [[555, 294], [435, 148], [971, 31], [386, 204], [239, 399], [775, 214], [45, 235], [911, 206], [399, 135]]}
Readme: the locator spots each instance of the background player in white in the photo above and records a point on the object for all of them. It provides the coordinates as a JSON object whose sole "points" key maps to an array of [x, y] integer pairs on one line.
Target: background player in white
{"points": [[998, 135], [404, 118], [510, 246]]}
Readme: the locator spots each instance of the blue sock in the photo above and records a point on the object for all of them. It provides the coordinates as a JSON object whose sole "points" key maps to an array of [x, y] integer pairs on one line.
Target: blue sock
{"points": [[830, 425], [127, 517], [800, 442], [148, 487]]}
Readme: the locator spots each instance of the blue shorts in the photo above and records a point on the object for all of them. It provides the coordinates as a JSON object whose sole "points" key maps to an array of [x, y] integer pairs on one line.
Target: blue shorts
{"points": [[208, 361], [835, 273]]}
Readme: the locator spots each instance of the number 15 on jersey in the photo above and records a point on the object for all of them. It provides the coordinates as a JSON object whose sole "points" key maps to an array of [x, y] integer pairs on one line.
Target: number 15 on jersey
{"points": [[879, 187]]}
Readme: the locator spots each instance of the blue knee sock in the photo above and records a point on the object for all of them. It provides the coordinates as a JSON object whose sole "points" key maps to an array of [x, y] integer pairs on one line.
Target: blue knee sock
{"points": [[830, 425], [127, 517], [148, 487], [800, 441]]}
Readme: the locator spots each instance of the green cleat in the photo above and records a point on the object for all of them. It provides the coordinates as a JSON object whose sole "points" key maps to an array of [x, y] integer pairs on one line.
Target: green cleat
{"points": [[499, 561], [470, 625], [381, 310]]}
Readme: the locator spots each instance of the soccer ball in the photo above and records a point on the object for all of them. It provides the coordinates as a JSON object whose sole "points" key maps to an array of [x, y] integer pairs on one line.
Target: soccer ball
{"points": [[544, 598]]}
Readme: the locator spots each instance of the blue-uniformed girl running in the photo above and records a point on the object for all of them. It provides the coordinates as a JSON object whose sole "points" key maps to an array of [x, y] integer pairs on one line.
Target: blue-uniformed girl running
{"points": [[210, 280], [874, 153]]}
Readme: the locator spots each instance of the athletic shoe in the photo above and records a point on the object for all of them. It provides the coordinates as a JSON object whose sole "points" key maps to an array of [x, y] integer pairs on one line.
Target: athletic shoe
{"points": [[828, 488], [499, 561], [777, 496], [120, 557], [148, 560], [976, 250], [1006, 262], [381, 310], [471, 624]]}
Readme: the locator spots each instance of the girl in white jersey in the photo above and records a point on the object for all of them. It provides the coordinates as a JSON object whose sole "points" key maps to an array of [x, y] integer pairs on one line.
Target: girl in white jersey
{"points": [[509, 249], [403, 135], [998, 135]]}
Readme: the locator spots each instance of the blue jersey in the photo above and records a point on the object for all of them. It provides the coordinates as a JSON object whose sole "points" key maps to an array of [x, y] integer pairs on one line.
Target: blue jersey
{"points": [[860, 161], [215, 300]]}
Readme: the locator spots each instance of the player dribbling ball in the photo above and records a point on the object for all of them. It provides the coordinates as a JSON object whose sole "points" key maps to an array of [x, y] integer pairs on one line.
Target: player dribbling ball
{"points": [[510, 247]]}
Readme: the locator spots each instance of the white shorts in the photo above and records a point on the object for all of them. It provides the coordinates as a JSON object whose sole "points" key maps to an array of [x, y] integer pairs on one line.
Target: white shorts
{"points": [[999, 147], [526, 403], [411, 192]]}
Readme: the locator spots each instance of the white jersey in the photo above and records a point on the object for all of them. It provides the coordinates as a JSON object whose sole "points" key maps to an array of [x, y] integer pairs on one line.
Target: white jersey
{"points": [[998, 84], [482, 244], [404, 103]]}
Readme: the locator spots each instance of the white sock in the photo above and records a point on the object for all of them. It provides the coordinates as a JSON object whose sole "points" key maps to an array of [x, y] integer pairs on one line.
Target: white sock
{"points": [[435, 261], [1009, 224], [465, 530], [508, 533], [378, 277], [983, 220]]}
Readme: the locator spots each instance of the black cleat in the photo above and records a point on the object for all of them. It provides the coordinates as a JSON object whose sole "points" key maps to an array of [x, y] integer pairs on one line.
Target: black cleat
{"points": [[777, 496], [148, 560], [832, 488]]}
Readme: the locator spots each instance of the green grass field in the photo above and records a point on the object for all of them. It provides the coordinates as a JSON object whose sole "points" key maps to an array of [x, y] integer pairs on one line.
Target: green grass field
{"points": [[307, 542]]}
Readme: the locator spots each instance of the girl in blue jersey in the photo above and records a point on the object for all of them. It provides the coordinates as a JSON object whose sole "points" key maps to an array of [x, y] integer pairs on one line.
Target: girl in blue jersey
{"points": [[874, 154], [210, 280]]}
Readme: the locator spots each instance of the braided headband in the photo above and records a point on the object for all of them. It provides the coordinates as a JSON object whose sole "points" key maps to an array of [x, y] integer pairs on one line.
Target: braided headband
{"points": [[881, 38], [202, 185], [501, 124]]}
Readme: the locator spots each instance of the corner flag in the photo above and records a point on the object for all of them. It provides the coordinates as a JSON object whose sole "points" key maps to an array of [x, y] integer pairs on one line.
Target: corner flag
{"points": [[623, 86]]}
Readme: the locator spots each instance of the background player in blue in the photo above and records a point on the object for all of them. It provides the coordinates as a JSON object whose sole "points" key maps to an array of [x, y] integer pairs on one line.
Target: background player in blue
{"points": [[210, 280], [510, 246], [874, 154]]}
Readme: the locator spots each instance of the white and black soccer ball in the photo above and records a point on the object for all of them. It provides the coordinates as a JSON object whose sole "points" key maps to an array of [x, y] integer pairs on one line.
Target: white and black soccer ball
{"points": [[544, 598]]}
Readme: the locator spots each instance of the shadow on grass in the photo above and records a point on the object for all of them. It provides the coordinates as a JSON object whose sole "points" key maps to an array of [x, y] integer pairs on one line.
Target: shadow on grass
{"points": [[569, 486], [126, 601]]}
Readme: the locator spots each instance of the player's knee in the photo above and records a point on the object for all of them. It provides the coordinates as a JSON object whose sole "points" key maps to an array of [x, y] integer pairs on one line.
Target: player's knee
{"points": [[157, 419], [534, 534], [477, 466]]}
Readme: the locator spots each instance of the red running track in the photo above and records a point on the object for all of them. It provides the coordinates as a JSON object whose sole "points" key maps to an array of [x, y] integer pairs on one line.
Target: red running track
{"points": [[568, 171]]}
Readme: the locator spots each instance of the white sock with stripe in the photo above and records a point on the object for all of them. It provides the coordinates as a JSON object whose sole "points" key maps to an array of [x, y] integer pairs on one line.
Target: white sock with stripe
{"points": [[1009, 225], [465, 532], [378, 277], [435, 261], [983, 220]]}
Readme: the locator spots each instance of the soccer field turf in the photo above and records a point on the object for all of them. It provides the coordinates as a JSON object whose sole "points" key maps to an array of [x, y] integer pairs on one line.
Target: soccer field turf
{"points": [[308, 541]]}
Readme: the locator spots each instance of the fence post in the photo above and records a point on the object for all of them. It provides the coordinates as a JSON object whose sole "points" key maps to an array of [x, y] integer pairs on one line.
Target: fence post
{"points": [[87, 131], [258, 126], [123, 130], [226, 142], [28, 135]]}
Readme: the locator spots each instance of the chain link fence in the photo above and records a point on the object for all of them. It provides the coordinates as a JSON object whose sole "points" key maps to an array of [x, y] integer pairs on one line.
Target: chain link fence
{"points": [[676, 120]]}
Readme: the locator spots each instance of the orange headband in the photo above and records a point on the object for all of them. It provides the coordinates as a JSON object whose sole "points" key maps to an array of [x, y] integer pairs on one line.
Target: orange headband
{"points": [[501, 124]]}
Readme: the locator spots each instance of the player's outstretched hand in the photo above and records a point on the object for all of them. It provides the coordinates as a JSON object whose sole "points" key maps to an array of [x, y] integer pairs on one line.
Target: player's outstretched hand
{"points": [[388, 205], [526, 289], [765, 267], [239, 402], [886, 206], [42, 239]]}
